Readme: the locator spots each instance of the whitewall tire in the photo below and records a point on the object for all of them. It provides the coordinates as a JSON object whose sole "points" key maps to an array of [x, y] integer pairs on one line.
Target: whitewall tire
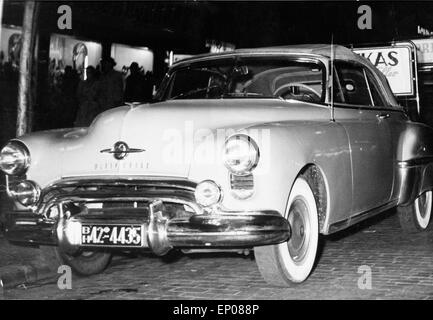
{"points": [[292, 261], [416, 216]]}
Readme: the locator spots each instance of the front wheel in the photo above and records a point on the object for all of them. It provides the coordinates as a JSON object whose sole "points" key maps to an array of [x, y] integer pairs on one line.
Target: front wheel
{"points": [[416, 216], [292, 261], [85, 263]]}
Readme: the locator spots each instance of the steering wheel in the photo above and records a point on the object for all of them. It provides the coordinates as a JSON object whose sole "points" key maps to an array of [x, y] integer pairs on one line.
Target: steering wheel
{"points": [[285, 92]]}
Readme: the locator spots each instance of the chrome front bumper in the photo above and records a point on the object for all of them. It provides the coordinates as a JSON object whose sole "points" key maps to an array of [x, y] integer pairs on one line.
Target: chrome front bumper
{"points": [[214, 228]]}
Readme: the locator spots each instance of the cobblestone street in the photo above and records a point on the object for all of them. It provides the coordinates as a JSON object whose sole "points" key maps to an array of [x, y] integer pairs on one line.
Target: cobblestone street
{"points": [[401, 266]]}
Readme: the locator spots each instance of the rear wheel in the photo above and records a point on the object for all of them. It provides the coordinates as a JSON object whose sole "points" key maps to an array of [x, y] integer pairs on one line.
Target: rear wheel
{"points": [[416, 216], [84, 263], [292, 261]]}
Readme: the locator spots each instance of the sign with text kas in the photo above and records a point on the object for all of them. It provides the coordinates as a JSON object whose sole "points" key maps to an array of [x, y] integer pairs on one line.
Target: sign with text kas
{"points": [[396, 63]]}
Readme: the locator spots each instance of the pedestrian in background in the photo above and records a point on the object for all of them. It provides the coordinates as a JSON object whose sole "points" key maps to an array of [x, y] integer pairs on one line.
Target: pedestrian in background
{"points": [[111, 85], [135, 90], [88, 95], [148, 87], [67, 109]]}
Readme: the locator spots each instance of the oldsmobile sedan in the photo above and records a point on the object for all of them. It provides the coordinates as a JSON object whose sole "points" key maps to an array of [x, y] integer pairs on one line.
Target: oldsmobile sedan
{"points": [[255, 149]]}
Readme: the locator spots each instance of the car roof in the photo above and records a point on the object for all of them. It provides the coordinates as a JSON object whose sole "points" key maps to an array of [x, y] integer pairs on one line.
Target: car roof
{"points": [[325, 50]]}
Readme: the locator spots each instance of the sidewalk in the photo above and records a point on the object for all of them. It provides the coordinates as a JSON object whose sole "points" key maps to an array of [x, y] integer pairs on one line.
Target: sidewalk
{"points": [[18, 264], [21, 265]]}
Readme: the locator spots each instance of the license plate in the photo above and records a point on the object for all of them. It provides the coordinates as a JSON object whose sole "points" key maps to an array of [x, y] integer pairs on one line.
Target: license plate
{"points": [[112, 235]]}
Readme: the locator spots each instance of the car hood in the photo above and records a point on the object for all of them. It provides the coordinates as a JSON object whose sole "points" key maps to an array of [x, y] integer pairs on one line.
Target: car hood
{"points": [[158, 133]]}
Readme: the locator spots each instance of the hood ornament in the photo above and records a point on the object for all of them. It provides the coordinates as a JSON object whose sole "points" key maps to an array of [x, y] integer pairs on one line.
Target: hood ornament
{"points": [[120, 150]]}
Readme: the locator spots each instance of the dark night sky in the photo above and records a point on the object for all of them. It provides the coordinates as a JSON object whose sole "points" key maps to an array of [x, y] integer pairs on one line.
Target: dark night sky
{"points": [[185, 25]]}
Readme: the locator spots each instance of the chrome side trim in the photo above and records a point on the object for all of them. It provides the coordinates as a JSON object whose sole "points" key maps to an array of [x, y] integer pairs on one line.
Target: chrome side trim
{"points": [[343, 224], [415, 162]]}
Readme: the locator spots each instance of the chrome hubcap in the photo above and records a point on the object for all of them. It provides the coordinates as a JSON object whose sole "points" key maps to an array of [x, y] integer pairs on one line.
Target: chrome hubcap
{"points": [[87, 253], [299, 222]]}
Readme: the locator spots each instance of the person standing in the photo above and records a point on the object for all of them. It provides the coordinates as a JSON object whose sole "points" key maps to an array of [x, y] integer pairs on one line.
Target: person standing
{"points": [[67, 108], [135, 85], [88, 93], [111, 85], [149, 83]]}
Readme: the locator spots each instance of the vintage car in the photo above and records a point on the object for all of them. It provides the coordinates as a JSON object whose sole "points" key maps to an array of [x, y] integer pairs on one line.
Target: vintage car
{"points": [[259, 149]]}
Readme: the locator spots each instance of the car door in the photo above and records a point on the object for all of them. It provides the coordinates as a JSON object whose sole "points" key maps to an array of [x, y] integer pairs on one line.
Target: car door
{"points": [[396, 120], [360, 109]]}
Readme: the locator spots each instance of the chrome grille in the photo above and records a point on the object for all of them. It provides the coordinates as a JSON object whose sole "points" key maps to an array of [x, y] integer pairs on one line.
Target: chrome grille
{"points": [[241, 182], [177, 195]]}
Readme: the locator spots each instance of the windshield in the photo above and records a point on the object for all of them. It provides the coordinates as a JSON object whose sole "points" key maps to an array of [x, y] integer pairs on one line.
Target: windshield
{"points": [[247, 77]]}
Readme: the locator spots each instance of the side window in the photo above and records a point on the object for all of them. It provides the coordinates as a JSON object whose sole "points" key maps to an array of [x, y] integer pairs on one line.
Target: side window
{"points": [[376, 95], [352, 84]]}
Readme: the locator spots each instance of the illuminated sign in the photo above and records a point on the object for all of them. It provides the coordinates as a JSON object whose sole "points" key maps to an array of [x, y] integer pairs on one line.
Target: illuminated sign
{"points": [[395, 62], [219, 46], [424, 32], [424, 50]]}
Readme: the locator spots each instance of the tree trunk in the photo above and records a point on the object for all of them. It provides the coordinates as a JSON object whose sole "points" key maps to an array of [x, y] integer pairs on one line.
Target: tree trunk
{"points": [[25, 76], [34, 69], [1, 17]]}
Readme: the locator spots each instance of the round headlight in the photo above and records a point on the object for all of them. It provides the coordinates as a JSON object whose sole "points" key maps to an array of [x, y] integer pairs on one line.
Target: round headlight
{"points": [[207, 193], [14, 158], [26, 192], [241, 154]]}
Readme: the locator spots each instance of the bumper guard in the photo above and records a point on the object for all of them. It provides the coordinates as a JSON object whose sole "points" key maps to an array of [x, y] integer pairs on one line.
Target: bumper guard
{"points": [[218, 229]]}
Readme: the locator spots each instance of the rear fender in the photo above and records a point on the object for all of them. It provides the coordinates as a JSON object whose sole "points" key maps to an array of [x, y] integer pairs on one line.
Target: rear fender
{"points": [[414, 162]]}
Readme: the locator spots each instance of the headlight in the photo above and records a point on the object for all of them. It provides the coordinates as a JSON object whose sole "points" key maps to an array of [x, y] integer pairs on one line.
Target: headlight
{"points": [[241, 154], [14, 158], [26, 192], [207, 193]]}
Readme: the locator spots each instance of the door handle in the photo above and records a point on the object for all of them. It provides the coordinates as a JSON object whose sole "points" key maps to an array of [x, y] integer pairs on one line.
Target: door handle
{"points": [[382, 116]]}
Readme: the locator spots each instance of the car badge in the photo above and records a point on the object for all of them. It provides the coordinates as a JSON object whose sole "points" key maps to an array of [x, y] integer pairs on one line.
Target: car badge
{"points": [[120, 150]]}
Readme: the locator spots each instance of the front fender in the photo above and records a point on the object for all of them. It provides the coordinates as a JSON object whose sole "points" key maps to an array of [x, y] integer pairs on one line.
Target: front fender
{"points": [[45, 149], [285, 149]]}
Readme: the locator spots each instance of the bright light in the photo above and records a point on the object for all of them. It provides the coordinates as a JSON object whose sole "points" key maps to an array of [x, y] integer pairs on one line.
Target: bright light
{"points": [[73, 232]]}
